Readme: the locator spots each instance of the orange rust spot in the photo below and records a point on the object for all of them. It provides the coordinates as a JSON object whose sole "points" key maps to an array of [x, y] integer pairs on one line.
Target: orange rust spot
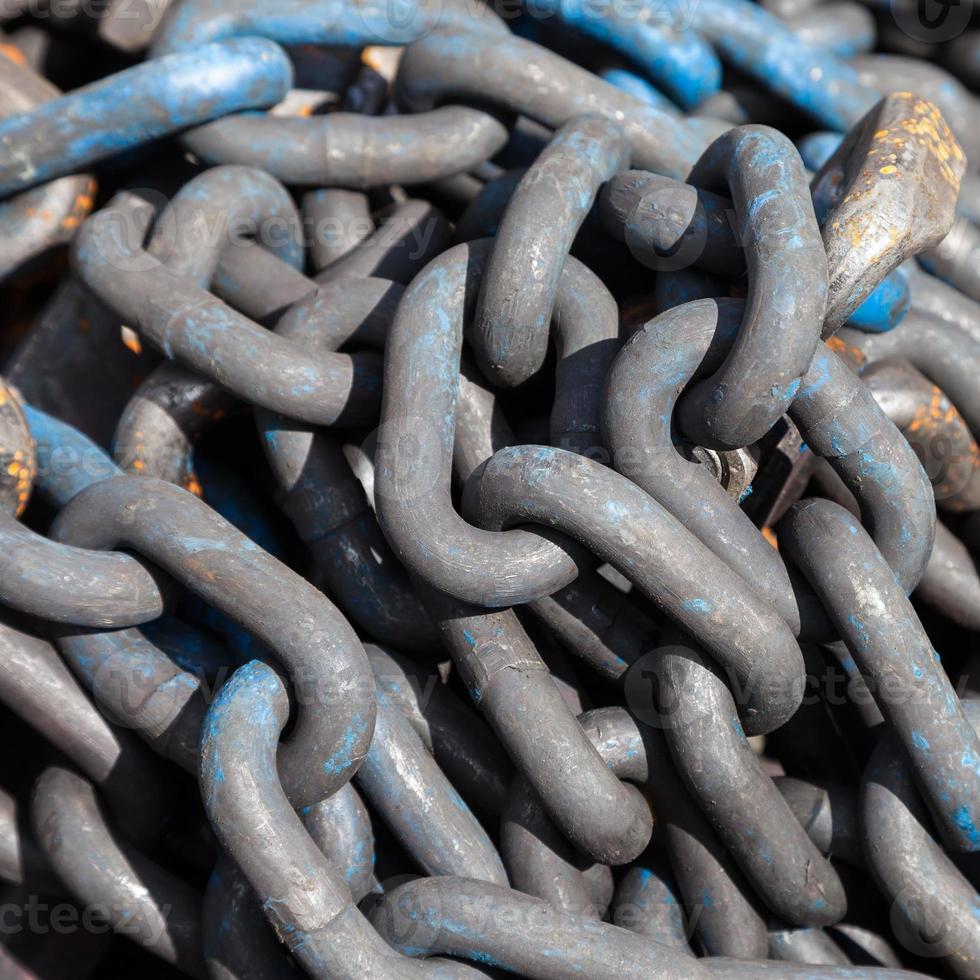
{"points": [[191, 483], [138, 464], [770, 535], [13, 53], [846, 352], [131, 340]]}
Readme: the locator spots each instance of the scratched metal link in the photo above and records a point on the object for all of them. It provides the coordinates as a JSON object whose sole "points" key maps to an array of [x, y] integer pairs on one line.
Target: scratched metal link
{"points": [[490, 489]]}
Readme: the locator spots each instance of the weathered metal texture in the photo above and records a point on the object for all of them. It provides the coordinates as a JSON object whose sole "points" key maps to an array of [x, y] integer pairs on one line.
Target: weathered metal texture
{"points": [[223, 208], [319, 649], [659, 838], [510, 328], [482, 215], [636, 85], [828, 813], [751, 39], [161, 699], [787, 289], [888, 192], [304, 896], [647, 902], [69, 463], [541, 862], [21, 860], [409, 234], [812, 947], [62, 583], [628, 529], [523, 77], [208, 215], [351, 150], [316, 22], [887, 73], [238, 942], [723, 773], [189, 324], [525, 935], [841, 421], [585, 334], [163, 420], [18, 460], [243, 505], [254, 283], [865, 449], [139, 687], [721, 910], [597, 623], [935, 430], [415, 518], [44, 217], [746, 36], [141, 899], [139, 104], [936, 298], [943, 351], [591, 618], [317, 489], [414, 452], [846, 29], [917, 876], [340, 220], [642, 390], [345, 149], [507, 679], [951, 582], [461, 744], [412, 795], [677, 59], [32, 680], [955, 258], [528, 936], [435, 544], [340, 826], [671, 226], [157, 430], [889, 645]]}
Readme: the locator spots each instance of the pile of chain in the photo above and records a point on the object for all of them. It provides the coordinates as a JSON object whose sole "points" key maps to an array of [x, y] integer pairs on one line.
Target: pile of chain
{"points": [[471, 477]]}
